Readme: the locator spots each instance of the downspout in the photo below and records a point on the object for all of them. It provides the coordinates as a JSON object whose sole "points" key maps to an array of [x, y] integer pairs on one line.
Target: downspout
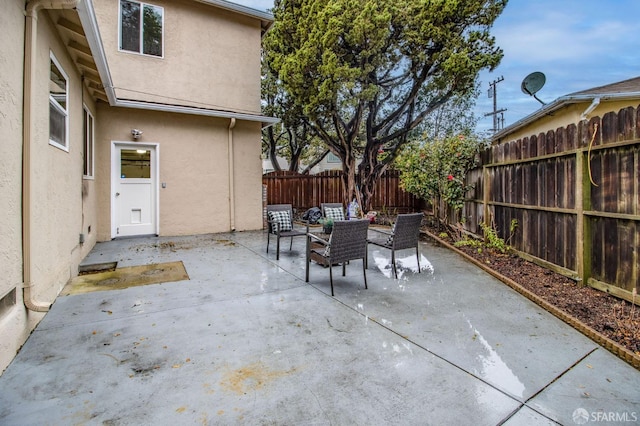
{"points": [[30, 55], [589, 110], [232, 197]]}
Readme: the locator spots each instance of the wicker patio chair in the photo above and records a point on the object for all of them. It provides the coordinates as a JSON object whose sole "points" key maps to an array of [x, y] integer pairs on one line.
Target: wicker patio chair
{"points": [[403, 235], [280, 225], [348, 241]]}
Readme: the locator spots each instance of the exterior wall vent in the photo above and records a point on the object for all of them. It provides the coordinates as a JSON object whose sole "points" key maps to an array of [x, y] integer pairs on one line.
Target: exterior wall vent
{"points": [[7, 302]]}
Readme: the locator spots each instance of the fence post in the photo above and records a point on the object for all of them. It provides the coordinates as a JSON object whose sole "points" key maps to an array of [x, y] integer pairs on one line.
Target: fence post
{"points": [[583, 222], [486, 195]]}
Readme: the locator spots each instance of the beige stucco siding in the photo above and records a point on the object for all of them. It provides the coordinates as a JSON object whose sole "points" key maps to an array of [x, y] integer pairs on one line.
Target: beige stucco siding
{"points": [[56, 176], [89, 216], [193, 154], [11, 62], [14, 329], [211, 58], [55, 179], [248, 173]]}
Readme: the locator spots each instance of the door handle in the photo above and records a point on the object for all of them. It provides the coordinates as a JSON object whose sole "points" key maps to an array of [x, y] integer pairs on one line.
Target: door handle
{"points": [[117, 194]]}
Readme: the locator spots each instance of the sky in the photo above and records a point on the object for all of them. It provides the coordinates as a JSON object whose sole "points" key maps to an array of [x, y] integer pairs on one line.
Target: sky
{"points": [[576, 44]]}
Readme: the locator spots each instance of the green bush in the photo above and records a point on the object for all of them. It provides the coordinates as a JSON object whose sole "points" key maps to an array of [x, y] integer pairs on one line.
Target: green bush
{"points": [[435, 170]]}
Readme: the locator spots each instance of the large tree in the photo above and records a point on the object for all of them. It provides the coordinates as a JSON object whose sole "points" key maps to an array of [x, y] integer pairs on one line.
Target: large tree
{"points": [[291, 138], [366, 73]]}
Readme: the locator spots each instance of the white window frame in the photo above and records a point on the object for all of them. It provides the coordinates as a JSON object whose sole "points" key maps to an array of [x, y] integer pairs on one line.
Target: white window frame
{"points": [[64, 111], [140, 50], [88, 143]]}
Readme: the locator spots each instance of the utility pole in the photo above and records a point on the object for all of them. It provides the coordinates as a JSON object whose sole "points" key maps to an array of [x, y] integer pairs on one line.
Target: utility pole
{"points": [[493, 93]]}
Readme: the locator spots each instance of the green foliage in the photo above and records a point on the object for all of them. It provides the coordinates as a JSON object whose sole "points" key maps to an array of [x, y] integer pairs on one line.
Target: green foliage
{"points": [[326, 221], [491, 239], [292, 138], [365, 74], [435, 170]]}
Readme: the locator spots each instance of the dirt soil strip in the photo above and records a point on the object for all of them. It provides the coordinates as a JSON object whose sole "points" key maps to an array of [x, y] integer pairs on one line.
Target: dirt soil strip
{"points": [[613, 347]]}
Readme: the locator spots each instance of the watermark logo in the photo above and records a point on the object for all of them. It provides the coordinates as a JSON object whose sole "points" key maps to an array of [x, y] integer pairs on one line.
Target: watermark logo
{"points": [[581, 416]]}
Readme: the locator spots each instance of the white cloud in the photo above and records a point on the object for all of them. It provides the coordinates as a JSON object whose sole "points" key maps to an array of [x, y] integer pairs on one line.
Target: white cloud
{"points": [[577, 44]]}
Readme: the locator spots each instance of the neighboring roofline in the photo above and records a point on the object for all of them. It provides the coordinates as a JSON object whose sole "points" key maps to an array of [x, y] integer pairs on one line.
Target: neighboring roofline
{"points": [[92, 33], [559, 103], [266, 18]]}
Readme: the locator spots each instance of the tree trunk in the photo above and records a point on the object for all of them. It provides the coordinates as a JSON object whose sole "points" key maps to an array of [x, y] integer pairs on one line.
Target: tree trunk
{"points": [[349, 179]]}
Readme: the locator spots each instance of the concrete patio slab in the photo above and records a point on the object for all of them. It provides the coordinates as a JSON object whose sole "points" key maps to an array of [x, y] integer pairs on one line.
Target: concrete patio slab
{"points": [[246, 341]]}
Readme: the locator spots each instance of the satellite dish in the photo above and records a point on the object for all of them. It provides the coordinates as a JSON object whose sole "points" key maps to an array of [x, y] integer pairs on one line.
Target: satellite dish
{"points": [[532, 84]]}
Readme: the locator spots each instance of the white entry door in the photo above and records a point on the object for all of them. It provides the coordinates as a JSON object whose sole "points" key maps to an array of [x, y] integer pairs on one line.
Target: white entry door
{"points": [[134, 184]]}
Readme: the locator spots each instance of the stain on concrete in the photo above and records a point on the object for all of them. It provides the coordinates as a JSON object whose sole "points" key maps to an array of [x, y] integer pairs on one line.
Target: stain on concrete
{"points": [[122, 278], [251, 377]]}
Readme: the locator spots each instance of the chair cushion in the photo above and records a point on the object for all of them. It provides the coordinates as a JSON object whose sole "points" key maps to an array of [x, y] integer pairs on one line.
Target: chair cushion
{"points": [[283, 220], [334, 213]]}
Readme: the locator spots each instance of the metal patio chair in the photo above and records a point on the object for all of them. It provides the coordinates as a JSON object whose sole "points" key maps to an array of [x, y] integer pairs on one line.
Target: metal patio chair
{"points": [[348, 241], [404, 234], [280, 224]]}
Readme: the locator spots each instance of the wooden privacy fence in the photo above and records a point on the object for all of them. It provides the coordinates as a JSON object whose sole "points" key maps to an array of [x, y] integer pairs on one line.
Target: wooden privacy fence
{"points": [[306, 191], [577, 201]]}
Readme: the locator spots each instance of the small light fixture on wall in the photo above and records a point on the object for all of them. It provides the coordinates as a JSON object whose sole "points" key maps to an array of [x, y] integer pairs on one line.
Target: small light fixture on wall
{"points": [[136, 133]]}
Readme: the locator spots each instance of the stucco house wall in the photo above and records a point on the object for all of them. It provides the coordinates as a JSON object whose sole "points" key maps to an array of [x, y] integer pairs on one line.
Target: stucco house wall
{"points": [[194, 166], [210, 73], [60, 198], [56, 180], [211, 58], [13, 315]]}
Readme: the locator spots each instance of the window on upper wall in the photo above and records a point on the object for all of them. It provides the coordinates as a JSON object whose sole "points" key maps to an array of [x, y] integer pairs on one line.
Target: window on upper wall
{"points": [[141, 28], [87, 128], [58, 105]]}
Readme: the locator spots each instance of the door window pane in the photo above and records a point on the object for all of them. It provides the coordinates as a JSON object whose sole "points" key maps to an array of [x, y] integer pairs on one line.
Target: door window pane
{"points": [[135, 164]]}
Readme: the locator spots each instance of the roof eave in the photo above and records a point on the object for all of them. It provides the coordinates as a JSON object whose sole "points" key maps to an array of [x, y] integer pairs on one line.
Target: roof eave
{"points": [[152, 106], [559, 103]]}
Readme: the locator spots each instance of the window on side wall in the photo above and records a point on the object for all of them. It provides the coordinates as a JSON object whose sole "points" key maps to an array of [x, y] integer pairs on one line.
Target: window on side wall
{"points": [[141, 28], [58, 105], [87, 128]]}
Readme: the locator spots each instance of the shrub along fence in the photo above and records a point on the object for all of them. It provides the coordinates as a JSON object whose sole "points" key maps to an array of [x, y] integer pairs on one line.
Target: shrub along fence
{"points": [[576, 200], [306, 191]]}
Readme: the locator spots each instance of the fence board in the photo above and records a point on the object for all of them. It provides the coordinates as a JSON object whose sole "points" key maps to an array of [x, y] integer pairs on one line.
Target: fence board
{"points": [[535, 180], [306, 191]]}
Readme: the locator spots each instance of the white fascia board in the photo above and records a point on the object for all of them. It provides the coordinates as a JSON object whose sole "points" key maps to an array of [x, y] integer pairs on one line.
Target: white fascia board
{"points": [[92, 33]]}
